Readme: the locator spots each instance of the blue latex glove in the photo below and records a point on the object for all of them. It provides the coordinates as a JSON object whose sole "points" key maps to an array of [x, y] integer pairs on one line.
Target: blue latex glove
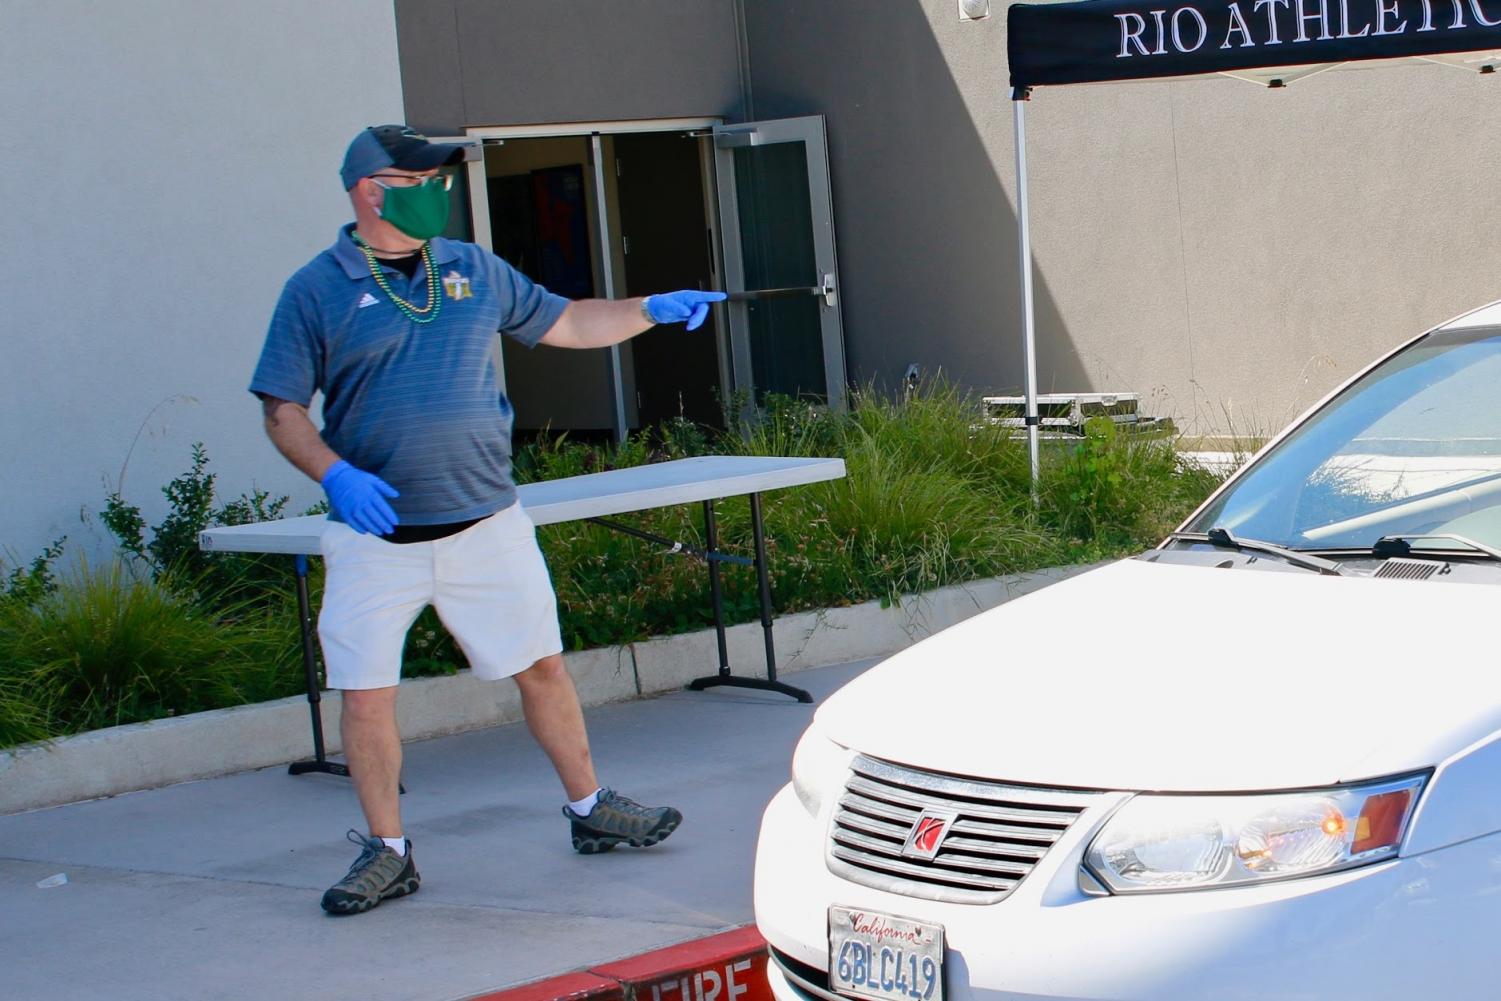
{"points": [[676, 307], [360, 498]]}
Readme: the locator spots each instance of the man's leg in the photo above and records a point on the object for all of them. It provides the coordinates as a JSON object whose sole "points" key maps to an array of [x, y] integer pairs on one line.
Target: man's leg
{"points": [[372, 748], [551, 705], [494, 594], [373, 592]]}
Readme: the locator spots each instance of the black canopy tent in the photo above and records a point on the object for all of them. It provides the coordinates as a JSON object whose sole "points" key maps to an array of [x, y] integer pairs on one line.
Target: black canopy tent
{"points": [[1272, 42]]}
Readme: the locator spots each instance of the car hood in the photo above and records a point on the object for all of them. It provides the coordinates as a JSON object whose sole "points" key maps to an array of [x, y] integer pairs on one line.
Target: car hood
{"points": [[1152, 676]]}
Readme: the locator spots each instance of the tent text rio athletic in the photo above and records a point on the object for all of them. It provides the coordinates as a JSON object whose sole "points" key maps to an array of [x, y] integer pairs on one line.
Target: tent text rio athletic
{"points": [[1260, 23]]}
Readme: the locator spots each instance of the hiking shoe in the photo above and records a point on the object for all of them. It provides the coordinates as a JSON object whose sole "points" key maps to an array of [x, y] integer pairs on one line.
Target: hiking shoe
{"points": [[616, 820], [377, 874]]}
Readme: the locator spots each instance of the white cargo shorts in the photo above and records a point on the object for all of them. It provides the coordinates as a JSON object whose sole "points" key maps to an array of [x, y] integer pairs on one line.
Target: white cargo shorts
{"points": [[489, 584]]}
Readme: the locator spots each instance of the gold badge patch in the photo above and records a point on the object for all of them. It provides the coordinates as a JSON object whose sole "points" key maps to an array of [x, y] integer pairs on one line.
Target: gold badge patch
{"points": [[457, 286]]}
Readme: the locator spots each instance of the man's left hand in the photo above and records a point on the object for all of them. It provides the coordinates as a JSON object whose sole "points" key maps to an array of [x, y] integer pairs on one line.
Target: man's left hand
{"points": [[688, 306]]}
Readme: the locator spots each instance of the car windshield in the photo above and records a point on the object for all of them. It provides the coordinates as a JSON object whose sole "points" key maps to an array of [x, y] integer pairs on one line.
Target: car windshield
{"points": [[1414, 447]]}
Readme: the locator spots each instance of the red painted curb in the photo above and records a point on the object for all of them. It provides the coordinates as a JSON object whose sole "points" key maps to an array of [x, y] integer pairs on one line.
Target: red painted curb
{"points": [[736, 944], [730, 966], [568, 987]]}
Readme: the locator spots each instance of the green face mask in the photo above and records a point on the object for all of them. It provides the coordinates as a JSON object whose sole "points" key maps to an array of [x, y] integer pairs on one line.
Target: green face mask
{"points": [[420, 211]]}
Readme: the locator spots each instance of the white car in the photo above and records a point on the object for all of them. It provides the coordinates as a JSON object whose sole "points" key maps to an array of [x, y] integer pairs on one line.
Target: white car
{"points": [[1262, 761]]}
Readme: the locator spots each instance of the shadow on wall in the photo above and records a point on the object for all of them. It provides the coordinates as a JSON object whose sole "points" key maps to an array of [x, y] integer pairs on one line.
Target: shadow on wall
{"points": [[927, 232]]}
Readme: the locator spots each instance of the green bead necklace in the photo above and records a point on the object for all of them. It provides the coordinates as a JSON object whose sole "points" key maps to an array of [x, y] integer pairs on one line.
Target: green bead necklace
{"points": [[428, 313]]}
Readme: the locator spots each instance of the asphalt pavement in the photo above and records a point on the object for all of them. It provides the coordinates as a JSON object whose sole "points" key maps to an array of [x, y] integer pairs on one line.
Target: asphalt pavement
{"points": [[209, 890]]}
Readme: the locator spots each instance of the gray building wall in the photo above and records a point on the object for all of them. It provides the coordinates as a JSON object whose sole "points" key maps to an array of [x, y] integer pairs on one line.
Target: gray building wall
{"points": [[1229, 252], [920, 163], [524, 62], [168, 164]]}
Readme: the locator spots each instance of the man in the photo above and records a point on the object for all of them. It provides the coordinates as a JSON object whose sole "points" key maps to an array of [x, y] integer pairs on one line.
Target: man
{"points": [[395, 327]]}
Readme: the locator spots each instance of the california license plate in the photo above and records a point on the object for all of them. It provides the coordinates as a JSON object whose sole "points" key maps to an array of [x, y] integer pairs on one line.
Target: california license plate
{"points": [[883, 957]]}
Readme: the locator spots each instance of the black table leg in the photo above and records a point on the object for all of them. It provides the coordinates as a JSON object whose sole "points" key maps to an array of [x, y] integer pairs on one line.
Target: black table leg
{"points": [[716, 593], [320, 762], [763, 581]]}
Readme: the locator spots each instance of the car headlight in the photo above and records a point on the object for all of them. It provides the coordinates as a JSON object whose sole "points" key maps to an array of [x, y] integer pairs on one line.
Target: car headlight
{"points": [[1155, 842], [818, 767]]}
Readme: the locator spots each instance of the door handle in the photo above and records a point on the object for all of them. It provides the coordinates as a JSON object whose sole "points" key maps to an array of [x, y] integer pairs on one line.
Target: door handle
{"points": [[824, 288], [752, 295]]}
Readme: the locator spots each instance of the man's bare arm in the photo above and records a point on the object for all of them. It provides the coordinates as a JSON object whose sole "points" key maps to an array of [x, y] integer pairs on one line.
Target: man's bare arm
{"points": [[596, 323], [292, 432], [599, 323]]}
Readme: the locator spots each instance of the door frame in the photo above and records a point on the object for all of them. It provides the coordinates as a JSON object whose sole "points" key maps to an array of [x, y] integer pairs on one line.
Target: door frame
{"points": [[479, 208]]}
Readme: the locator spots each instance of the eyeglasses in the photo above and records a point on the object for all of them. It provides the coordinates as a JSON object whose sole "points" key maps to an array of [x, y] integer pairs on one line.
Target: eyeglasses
{"points": [[445, 181]]}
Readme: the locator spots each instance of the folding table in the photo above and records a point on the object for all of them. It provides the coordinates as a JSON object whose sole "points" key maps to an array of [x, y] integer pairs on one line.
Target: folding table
{"points": [[590, 497]]}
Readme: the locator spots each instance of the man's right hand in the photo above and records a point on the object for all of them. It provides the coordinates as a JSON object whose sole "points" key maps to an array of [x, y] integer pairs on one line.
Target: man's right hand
{"points": [[360, 498], [688, 306]]}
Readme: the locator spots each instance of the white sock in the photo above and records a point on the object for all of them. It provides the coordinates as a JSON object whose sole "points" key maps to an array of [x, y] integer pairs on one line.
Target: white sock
{"points": [[583, 806], [397, 845]]}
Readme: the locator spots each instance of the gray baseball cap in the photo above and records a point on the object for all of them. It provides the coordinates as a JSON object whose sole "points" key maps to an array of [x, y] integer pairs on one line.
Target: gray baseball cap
{"points": [[399, 146]]}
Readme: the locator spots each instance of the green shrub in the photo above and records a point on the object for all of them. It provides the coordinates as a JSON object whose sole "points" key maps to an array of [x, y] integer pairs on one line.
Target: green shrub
{"points": [[430, 650], [901, 521], [174, 542], [613, 588], [30, 584], [24, 715], [22, 719], [933, 496], [105, 648], [787, 426], [172, 554], [682, 439], [1111, 492]]}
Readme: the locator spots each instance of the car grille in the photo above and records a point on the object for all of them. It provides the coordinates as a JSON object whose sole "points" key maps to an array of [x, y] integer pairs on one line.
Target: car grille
{"points": [[1000, 833]]}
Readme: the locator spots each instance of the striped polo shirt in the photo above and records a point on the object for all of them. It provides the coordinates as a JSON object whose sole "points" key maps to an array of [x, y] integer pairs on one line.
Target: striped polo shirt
{"points": [[416, 404]]}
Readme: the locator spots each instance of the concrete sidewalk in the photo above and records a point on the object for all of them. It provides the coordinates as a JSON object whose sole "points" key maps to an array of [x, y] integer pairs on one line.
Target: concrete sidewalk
{"points": [[210, 889]]}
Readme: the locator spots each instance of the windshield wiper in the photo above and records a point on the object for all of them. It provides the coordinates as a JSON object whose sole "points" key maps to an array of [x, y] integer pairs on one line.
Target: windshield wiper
{"points": [[1401, 545], [1221, 538]]}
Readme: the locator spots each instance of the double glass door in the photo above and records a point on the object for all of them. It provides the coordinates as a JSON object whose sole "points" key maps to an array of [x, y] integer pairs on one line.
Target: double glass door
{"points": [[777, 232], [770, 245]]}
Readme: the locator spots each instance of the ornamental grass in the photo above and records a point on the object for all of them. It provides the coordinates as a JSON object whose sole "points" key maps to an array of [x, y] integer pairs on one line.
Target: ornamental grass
{"points": [[933, 496], [105, 647]]}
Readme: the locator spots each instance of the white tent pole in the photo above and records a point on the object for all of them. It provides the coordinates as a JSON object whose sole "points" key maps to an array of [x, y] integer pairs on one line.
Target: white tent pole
{"points": [[1023, 226]]}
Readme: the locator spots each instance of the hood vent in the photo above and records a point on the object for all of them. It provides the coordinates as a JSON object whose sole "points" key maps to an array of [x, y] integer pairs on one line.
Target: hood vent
{"points": [[1410, 569]]}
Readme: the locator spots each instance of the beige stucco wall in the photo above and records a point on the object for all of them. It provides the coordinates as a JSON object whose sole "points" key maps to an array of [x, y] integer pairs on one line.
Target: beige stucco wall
{"points": [[1230, 251], [1273, 241]]}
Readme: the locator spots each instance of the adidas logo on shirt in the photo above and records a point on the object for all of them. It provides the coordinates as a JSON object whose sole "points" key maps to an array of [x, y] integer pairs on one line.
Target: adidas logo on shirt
{"points": [[367, 300]]}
